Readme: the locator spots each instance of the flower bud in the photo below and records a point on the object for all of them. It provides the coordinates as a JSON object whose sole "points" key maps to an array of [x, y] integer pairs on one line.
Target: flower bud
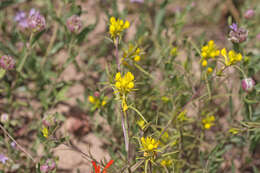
{"points": [[44, 168], [248, 84], [51, 164], [249, 14], [36, 22], [96, 94], [7, 62], [74, 24], [4, 118], [13, 145]]}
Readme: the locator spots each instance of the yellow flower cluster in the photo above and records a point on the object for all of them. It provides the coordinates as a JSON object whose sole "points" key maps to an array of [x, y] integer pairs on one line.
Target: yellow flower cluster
{"points": [[133, 52], [117, 27], [124, 84], [97, 102], [231, 57], [208, 121], [208, 51], [149, 144]]}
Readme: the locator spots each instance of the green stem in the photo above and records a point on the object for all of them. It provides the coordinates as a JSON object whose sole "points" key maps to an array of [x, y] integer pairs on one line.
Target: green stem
{"points": [[20, 67], [243, 73], [146, 166], [126, 134], [139, 113]]}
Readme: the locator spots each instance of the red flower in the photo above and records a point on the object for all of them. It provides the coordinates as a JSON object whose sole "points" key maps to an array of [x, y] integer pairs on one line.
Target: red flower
{"points": [[97, 168]]}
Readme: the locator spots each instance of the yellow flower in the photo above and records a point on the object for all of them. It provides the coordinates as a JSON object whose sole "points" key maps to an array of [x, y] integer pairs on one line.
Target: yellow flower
{"points": [[97, 102], [231, 57], [45, 132], [208, 121], [141, 124], [165, 99], [149, 144], [137, 58], [166, 162], [174, 51], [209, 50], [204, 63], [91, 99], [165, 136], [133, 52], [209, 70], [124, 84], [117, 27], [234, 131]]}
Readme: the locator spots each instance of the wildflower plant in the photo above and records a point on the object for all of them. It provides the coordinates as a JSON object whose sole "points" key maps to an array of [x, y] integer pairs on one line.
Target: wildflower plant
{"points": [[157, 99]]}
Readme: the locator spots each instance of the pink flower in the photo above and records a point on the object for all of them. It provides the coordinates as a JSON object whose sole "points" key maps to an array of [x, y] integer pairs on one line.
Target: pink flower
{"points": [[7, 62], [249, 14], [74, 24], [248, 84]]}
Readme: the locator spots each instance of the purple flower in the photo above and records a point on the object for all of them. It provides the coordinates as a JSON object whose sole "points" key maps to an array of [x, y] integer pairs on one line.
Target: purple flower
{"points": [[7, 62], [49, 165], [3, 159], [74, 24], [248, 84], [21, 15], [138, 1], [249, 14], [36, 22], [33, 12], [237, 35], [21, 19], [233, 27]]}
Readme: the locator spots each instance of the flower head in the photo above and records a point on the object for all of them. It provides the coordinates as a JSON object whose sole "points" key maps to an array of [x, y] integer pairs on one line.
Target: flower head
{"points": [[237, 35], [166, 162], [74, 24], [117, 26], [149, 144], [49, 165], [4, 118], [124, 84], [208, 121], [3, 159], [209, 51], [45, 132], [97, 102], [249, 14], [248, 84], [7, 62], [233, 27], [234, 131], [133, 52], [231, 57], [36, 21]]}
